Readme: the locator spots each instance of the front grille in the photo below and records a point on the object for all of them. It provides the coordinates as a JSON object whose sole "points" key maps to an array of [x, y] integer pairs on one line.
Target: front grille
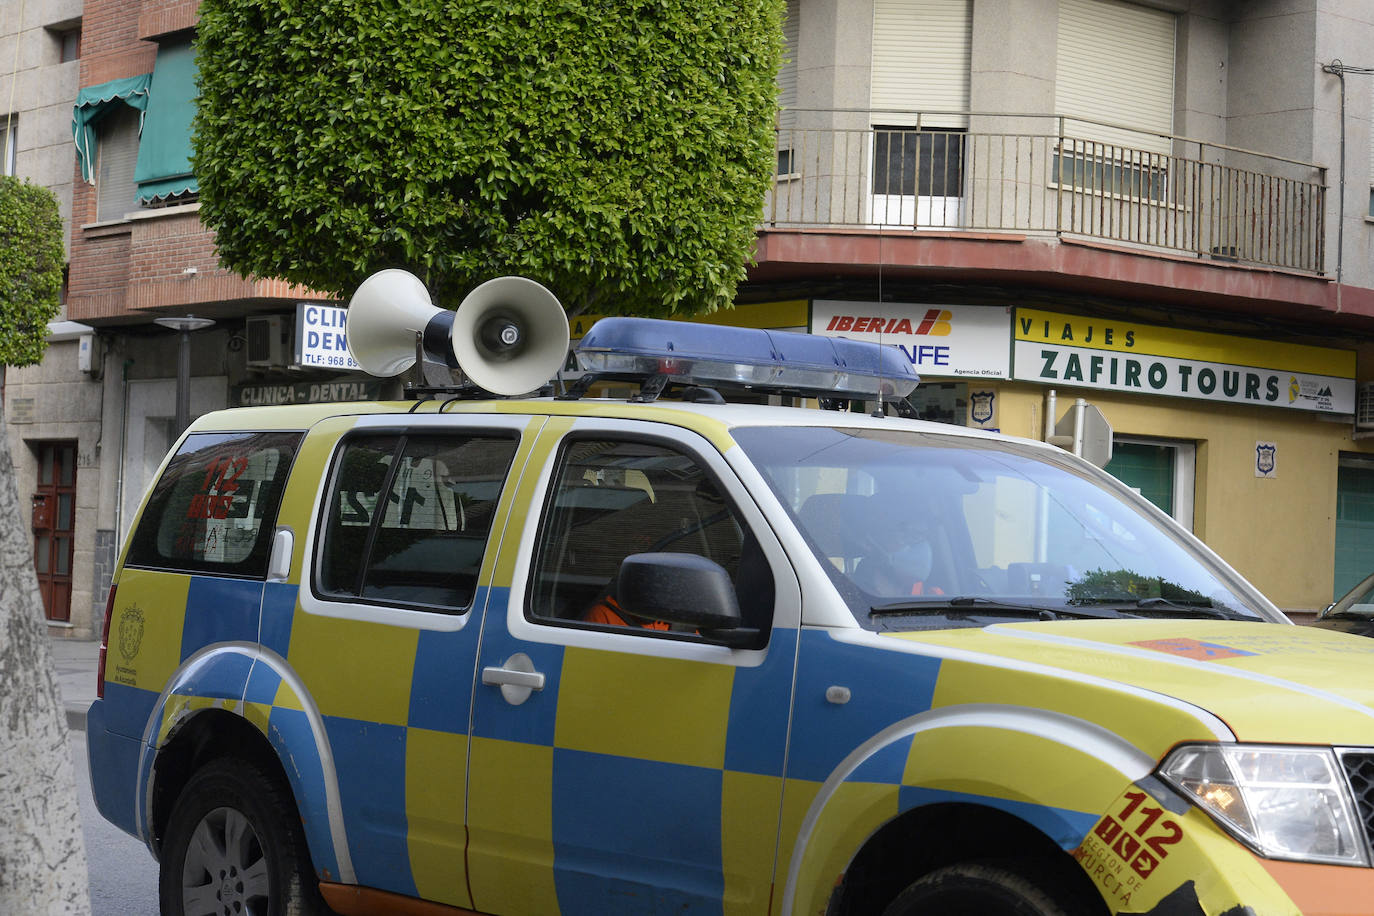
{"points": [[1359, 772]]}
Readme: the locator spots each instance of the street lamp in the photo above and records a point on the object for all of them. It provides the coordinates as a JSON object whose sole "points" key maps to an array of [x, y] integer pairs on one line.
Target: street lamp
{"points": [[185, 325]]}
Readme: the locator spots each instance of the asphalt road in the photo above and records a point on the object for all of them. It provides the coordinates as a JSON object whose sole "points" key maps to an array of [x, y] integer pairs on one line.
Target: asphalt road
{"points": [[123, 873]]}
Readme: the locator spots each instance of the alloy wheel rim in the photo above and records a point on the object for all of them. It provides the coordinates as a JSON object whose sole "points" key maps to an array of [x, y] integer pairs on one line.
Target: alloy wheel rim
{"points": [[225, 870]]}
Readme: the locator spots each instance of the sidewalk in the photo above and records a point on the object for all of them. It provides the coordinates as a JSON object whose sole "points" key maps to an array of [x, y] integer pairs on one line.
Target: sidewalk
{"points": [[75, 661]]}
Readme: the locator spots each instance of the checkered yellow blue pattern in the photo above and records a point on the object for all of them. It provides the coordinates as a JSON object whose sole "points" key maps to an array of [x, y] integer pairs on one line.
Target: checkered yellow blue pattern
{"points": [[633, 781]]}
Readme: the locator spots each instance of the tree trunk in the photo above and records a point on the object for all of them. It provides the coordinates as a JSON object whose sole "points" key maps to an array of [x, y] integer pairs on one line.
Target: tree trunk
{"points": [[42, 855]]}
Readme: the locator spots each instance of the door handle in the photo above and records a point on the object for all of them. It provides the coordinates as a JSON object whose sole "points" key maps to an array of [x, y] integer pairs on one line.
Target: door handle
{"points": [[516, 678], [500, 677]]}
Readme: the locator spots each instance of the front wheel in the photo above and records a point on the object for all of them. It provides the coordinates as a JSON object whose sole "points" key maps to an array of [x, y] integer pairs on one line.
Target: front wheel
{"points": [[975, 889], [234, 847]]}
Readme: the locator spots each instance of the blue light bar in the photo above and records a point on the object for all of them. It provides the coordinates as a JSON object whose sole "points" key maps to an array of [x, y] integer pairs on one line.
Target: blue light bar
{"points": [[708, 354]]}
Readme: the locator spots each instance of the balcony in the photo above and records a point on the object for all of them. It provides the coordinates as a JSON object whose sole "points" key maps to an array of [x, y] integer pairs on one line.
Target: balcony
{"points": [[1050, 176]]}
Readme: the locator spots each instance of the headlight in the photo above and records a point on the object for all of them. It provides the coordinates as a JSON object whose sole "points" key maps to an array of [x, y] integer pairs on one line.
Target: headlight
{"points": [[1284, 802]]}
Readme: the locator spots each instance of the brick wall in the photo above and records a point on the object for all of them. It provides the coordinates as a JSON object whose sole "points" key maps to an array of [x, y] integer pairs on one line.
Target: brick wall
{"points": [[99, 272], [161, 17], [119, 269]]}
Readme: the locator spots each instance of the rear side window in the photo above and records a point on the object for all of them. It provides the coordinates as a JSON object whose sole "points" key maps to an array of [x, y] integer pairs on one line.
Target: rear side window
{"points": [[215, 507], [408, 516]]}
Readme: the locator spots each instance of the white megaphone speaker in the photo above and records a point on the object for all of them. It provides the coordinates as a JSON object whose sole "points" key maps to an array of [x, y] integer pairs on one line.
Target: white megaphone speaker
{"points": [[508, 336]]}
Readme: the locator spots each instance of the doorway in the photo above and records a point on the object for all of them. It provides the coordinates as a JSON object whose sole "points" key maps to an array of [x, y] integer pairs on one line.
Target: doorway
{"points": [[54, 519]]}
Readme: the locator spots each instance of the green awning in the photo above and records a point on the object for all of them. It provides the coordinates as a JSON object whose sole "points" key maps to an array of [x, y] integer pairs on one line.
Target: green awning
{"points": [[91, 105], [164, 149]]}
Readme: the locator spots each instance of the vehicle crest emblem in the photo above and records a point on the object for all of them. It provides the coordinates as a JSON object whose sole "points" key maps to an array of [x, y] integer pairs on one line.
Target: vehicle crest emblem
{"points": [[130, 631]]}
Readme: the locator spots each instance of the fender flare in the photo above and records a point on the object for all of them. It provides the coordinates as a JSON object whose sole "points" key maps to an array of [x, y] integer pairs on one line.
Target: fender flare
{"points": [[245, 679], [1079, 735]]}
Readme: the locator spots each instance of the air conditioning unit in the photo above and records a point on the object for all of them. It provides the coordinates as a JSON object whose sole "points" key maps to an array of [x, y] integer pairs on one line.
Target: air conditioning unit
{"points": [[266, 345], [1364, 407]]}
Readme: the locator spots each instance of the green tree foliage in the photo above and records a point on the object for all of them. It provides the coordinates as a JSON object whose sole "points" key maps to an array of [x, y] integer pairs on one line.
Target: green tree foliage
{"points": [[617, 151], [31, 259]]}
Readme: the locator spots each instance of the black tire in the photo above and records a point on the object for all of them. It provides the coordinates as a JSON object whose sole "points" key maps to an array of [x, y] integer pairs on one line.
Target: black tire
{"points": [[975, 889], [266, 873]]}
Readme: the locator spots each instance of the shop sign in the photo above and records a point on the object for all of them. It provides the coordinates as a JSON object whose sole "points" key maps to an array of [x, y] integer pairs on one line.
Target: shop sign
{"points": [[307, 393], [1075, 351], [957, 341], [321, 338]]}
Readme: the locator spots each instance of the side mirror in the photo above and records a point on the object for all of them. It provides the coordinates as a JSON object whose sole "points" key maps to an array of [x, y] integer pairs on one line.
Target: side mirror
{"points": [[683, 589]]}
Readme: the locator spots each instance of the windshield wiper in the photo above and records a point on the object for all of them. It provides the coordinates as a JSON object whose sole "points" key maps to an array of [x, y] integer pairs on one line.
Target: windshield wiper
{"points": [[1196, 607], [964, 607]]}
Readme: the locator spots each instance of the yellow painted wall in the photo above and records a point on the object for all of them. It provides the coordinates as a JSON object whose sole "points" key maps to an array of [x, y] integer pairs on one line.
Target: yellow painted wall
{"points": [[1279, 533]]}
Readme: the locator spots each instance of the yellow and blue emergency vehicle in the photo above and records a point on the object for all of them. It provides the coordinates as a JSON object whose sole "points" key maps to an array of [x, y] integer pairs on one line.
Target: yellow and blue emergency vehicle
{"points": [[583, 655]]}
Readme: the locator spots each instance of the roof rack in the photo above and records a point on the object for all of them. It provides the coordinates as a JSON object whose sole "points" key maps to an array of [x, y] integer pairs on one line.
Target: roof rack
{"points": [[695, 359]]}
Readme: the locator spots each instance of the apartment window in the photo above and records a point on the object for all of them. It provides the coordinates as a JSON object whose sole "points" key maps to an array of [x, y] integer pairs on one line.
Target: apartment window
{"points": [[105, 123], [8, 145], [924, 163], [1115, 66], [1101, 169], [163, 173], [71, 45], [922, 51], [116, 153], [787, 167], [1371, 165]]}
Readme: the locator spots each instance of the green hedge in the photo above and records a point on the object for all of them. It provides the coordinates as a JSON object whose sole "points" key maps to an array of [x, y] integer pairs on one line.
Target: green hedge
{"points": [[31, 259], [616, 151]]}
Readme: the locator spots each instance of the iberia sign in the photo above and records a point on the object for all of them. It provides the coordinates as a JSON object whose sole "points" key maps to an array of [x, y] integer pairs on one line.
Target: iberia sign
{"points": [[1075, 351], [941, 340]]}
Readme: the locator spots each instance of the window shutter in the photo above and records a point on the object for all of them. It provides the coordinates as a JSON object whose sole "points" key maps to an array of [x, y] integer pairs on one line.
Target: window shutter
{"points": [[787, 74], [1371, 155], [921, 54], [118, 151], [1116, 63]]}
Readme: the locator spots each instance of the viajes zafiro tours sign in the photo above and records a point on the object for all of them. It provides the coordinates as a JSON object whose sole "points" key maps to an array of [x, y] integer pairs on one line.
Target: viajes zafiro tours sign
{"points": [[1075, 351]]}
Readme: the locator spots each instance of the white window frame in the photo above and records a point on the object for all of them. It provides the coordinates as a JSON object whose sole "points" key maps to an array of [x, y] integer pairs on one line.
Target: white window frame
{"points": [[1185, 473]]}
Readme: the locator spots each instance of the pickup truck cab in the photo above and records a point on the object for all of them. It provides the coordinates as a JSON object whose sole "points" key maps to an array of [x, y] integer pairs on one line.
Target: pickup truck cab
{"points": [[586, 655]]}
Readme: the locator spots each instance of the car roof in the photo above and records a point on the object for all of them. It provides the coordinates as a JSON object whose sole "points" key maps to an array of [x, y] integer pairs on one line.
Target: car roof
{"points": [[707, 419]]}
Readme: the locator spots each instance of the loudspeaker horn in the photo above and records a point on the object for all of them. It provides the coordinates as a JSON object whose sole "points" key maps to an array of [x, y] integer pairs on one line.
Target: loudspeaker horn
{"points": [[387, 311], [509, 335]]}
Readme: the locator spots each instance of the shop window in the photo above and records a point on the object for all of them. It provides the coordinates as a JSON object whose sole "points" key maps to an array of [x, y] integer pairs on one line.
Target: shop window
{"points": [[1161, 470], [1354, 555], [942, 402]]}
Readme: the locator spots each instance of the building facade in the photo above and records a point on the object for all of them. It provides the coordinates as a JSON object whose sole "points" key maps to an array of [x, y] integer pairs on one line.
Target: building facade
{"points": [[1160, 208], [54, 442]]}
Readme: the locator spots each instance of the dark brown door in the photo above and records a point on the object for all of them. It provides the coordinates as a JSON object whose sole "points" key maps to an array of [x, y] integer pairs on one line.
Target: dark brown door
{"points": [[54, 517]]}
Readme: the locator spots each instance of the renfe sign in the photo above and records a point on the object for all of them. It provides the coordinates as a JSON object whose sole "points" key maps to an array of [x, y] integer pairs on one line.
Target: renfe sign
{"points": [[940, 340], [320, 337], [1075, 351]]}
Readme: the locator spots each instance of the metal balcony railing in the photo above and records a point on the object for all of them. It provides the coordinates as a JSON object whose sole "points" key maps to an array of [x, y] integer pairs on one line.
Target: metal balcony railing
{"points": [[1050, 175]]}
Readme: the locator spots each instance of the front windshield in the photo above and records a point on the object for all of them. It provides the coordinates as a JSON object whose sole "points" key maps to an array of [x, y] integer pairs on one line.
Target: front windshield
{"points": [[920, 530]]}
